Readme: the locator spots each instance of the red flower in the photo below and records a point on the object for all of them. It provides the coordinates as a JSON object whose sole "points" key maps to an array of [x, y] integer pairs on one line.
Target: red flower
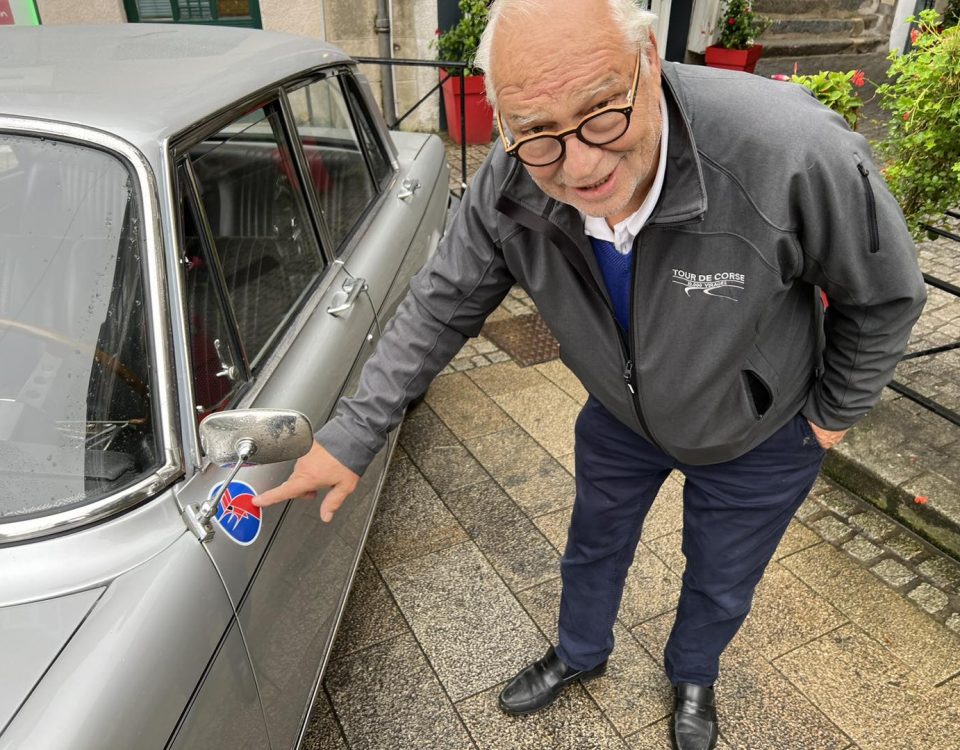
{"points": [[906, 116], [731, 21], [920, 500], [858, 79], [914, 35], [780, 77]]}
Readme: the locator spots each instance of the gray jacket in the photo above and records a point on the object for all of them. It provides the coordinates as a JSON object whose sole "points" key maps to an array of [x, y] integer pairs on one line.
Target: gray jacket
{"points": [[767, 196]]}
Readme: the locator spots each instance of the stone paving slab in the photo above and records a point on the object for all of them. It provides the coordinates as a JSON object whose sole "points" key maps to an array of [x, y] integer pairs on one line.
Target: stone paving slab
{"points": [[858, 682], [546, 413], [470, 626], [525, 471], [387, 696], [515, 547], [411, 520], [757, 706], [907, 631], [574, 722]]}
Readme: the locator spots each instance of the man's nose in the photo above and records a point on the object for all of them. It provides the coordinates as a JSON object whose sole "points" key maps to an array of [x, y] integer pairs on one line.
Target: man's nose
{"points": [[580, 159]]}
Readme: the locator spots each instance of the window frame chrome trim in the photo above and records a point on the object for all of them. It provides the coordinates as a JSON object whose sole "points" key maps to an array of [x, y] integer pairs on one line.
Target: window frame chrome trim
{"points": [[158, 337]]}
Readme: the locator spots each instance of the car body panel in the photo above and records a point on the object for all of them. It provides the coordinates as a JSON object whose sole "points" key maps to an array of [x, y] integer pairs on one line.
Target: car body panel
{"points": [[33, 636], [88, 557], [124, 678], [226, 712]]}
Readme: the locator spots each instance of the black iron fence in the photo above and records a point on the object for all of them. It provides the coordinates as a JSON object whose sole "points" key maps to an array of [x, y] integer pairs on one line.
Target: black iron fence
{"points": [[953, 290], [446, 67]]}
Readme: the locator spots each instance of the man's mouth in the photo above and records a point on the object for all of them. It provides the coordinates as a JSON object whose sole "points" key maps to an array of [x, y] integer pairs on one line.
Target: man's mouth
{"points": [[595, 186]]}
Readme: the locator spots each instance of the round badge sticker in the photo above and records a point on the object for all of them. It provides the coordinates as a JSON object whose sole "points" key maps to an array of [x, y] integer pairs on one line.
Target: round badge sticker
{"points": [[239, 518]]}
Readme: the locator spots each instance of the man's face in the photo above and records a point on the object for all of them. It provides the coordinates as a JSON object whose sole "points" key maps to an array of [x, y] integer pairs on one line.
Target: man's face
{"points": [[552, 87]]}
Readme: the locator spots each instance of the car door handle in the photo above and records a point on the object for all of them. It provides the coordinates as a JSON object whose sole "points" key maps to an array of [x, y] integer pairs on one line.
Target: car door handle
{"points": [[343, 301], [408, 187]]}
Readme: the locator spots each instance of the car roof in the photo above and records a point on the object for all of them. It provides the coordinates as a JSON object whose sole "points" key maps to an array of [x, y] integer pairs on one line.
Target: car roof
{"points": [[144, 82]]}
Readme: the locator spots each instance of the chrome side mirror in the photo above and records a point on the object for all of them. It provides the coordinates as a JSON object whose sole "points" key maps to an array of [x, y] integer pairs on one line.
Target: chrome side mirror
{"points": [[246, 436], [255, 436]]}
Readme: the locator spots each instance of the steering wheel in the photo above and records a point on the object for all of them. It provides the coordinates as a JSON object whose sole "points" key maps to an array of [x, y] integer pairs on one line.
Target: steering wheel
{"points": [[107, 361]]}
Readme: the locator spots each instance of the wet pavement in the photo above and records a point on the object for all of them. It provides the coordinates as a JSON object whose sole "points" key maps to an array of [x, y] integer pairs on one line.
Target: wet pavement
{"points": [[853, 642]]}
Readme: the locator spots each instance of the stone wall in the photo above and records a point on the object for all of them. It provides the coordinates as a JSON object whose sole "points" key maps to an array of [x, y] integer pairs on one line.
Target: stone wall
{"points": [[89, 11], [350, 25], [298, 17]]}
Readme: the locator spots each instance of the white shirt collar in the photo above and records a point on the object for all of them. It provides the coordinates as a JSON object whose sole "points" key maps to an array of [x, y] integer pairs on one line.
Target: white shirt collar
{"points": [[624, 233]]}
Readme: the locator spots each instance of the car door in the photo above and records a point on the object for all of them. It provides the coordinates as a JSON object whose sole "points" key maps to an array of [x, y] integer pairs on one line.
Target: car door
{"points": [[277, 317]]}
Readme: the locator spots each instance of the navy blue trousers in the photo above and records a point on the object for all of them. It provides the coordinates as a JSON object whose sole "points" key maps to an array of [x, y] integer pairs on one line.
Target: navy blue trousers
{"points": [[734, 515]]}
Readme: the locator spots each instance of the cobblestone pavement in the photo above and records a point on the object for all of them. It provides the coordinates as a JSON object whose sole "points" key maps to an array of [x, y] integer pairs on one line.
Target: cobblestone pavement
{"points": [[853, 642]]}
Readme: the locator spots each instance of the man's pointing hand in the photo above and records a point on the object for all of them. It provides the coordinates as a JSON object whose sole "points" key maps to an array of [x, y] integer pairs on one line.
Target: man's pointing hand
{"points": [[312, 472]]}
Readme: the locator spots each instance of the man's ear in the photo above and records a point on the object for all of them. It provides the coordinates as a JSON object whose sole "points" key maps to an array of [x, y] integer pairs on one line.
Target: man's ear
{"points": [[653, 56]]}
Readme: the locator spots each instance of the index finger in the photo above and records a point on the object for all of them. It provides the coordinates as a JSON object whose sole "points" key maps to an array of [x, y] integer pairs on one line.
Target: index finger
{"points": [[293, 487]]}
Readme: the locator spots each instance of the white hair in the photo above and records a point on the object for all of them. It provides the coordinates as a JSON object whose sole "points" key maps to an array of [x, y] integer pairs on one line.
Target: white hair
{"points": [[626, 14]]}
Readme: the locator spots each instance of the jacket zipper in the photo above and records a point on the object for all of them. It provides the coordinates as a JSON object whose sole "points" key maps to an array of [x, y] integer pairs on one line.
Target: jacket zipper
{"points": [[626, 344], [871, 208]]}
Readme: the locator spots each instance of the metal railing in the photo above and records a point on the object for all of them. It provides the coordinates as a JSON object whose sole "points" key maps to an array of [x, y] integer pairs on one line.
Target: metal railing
{"points": [[446, 66], [949, 288]]}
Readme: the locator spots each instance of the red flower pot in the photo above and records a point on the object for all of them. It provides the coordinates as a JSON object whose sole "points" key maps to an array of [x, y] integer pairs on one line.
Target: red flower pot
{"points": [[734, 59], [478, 112]]}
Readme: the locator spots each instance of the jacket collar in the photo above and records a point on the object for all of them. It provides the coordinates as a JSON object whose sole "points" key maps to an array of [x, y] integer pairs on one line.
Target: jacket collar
{"points": [[682, 200]]}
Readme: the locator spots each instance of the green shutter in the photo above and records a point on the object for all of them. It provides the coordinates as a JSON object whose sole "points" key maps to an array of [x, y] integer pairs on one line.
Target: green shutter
{"points": [[219, 12]]}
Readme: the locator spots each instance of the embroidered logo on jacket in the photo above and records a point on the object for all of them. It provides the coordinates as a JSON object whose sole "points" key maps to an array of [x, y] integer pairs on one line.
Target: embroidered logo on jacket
{"points": [[724, 284]]}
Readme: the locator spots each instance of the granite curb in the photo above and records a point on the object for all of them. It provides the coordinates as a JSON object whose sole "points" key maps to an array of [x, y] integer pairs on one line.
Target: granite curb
{"points": [[911, 481]]}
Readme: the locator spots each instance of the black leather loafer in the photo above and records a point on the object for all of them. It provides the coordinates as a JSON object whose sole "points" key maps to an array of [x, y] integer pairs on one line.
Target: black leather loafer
{"points": [[694, 718], [538, 685]]}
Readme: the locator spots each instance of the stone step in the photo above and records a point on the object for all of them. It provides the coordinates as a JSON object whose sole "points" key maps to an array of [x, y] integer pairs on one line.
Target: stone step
{"points": [[816, 24], [874, 64], [805, 7], [802, 45]]}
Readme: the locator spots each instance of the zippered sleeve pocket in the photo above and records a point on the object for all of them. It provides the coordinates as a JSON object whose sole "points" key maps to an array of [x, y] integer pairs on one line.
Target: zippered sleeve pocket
{"points": [[871, 199]]}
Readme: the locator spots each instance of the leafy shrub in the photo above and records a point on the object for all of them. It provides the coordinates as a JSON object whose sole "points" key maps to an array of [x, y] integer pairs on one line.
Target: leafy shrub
{"points": [[922, 147]]}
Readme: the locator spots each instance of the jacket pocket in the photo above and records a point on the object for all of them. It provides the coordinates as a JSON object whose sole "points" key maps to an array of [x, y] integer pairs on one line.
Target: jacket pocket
{"points": [[759, 393], [872, 228]]}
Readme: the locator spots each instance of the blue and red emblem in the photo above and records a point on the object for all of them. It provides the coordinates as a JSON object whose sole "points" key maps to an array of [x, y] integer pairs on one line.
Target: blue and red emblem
{"points": [[236, 514]]}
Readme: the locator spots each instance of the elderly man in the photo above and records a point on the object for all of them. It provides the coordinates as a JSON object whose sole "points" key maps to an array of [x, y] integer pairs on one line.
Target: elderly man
{"points": [[674, 225]]}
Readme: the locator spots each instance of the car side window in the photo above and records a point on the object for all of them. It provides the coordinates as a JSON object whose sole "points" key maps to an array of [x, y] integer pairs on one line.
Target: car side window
{"points": [[337, 166], [265, 242], [218, 369], [376, 154]]}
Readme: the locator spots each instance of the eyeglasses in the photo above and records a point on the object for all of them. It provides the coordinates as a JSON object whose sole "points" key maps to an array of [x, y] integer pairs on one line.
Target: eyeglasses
{"points": [[596, 129]]}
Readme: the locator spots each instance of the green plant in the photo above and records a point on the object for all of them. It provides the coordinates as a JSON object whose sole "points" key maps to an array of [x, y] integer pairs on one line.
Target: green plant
{"points": [[459, 43], [922, 147], [739, 25], [837, 90]]}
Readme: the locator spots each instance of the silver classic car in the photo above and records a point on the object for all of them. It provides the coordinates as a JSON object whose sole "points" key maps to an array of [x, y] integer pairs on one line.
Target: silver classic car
{"points": [[194, 221]]}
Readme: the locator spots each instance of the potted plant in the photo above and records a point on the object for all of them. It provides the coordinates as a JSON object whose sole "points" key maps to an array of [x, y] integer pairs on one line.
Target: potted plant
{"points": [[922, 147], [835, 89], [459, 44], [739, 27]]}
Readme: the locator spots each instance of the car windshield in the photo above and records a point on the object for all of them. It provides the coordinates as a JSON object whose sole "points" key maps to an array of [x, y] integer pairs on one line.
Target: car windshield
{"points": [[76, 420]]}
